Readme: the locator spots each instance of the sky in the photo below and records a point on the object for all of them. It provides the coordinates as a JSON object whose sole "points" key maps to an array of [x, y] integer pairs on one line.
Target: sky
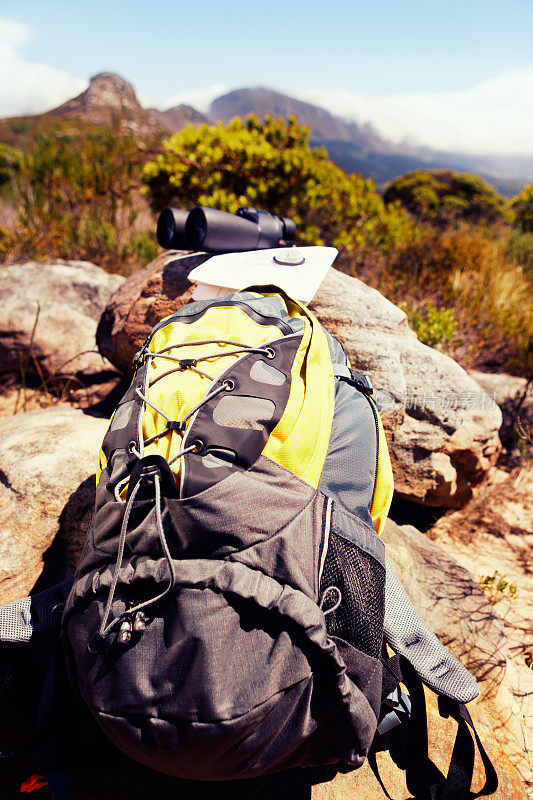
{"points": [[455, 75]]}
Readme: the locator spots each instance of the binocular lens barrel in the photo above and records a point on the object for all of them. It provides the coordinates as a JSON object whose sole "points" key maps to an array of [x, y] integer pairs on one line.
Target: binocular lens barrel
{"points": [[220, 232], [217, 231], [289, 228], [171, 229]]}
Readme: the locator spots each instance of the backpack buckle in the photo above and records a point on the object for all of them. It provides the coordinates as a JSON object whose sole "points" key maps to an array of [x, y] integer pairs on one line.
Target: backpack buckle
{"points": [[361, 382]]}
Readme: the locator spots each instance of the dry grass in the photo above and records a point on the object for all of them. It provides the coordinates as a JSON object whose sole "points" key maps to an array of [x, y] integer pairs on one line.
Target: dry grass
{"points": [[468, 271]]}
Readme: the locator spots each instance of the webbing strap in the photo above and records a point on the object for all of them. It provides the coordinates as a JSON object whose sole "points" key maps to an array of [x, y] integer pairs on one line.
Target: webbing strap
{"points": [[342, 371], [358, 379], [424, 780], [462, 762]]}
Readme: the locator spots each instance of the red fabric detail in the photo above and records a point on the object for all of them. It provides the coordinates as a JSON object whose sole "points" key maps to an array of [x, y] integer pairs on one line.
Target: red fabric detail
{"points": [[32, 784]]}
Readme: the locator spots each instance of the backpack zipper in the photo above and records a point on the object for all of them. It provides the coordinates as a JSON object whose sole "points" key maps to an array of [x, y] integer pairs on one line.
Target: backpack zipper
{"points": [[375, 413], [327, 529]]}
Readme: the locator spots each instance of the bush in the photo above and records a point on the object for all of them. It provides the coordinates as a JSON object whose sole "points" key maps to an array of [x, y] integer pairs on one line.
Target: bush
{"points": [[496, 587], [519, 247], [444, 197], [77, 199], [6, 243], [9, 163], [522, 206], [470, 273], [270, 165], [434, 326]]}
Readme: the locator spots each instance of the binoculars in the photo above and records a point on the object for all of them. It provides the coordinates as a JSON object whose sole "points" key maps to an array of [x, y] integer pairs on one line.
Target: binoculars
{"points": [[218, 231]]}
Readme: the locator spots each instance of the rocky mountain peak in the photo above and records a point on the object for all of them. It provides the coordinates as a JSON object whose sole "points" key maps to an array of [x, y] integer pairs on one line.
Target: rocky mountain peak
{"points": [[107, 89], [107, 94]]}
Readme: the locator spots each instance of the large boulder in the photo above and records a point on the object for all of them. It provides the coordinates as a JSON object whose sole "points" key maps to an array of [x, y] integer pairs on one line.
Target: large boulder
{"points": [[46, 502], [46, 493], [365, 784], [441, 427], [140, 303], [492, 537], [49, 313], [99, 772]]}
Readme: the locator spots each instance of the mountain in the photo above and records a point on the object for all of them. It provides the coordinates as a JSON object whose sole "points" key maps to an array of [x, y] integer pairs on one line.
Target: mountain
{"points": [[324, 125], [359, 148], [178, 117], [354, 147], [108, 98]]}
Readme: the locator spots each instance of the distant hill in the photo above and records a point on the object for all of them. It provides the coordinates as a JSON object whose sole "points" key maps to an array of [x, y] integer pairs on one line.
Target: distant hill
{"points": [[109, 98], [359, 148], [324, 125], [178, 117]]}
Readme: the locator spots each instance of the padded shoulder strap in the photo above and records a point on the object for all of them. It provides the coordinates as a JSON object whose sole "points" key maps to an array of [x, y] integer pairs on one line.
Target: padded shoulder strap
{"points": [[35, 616], [407, 633]]}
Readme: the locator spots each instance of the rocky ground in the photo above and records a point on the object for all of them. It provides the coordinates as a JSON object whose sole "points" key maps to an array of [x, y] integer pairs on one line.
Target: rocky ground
{"points": [[473, 502]]}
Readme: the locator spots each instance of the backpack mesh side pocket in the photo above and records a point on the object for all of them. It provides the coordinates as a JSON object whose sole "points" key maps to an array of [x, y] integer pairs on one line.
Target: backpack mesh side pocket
{"points": [[360, 579]]}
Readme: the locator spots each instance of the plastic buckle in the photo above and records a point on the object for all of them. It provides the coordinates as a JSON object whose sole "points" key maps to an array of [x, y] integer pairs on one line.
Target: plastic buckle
{"points": [[362, 382], [176, 425]]}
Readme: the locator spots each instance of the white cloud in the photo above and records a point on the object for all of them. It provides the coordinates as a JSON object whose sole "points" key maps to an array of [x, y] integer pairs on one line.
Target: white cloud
{"points": [[26, 87], [492, 117]]}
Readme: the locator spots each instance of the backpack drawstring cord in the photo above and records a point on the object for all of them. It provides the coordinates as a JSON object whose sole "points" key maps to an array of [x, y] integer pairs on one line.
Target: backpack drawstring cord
{"points": [[105, 629]]}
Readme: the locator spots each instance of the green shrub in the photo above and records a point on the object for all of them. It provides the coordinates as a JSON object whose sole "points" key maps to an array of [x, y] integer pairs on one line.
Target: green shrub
{"points": [[444, 197], [496, 587], [76, 199], [434, 326], [471, 273], [6, 243], [519, 246], [9, 164], [144, 245], [270, 165], [522, 206]]}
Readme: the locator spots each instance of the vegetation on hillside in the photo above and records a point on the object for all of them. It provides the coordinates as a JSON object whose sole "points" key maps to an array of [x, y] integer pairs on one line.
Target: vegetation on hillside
{"points": [[444, 197], [446, 245], [522, 205], [271, 165], [76, 199]]}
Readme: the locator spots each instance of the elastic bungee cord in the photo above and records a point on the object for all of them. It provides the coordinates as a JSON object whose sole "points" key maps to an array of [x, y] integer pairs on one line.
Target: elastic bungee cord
{"points": [[104, 628], [172, 425]]}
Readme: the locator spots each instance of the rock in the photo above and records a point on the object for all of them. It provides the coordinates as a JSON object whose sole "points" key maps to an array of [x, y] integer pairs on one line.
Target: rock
{"points": [[500, 386], [515, 398], [450, 600], [46, 455], [71, 296], [104, 774], [493, 536], [143, 299], [442, 429]]}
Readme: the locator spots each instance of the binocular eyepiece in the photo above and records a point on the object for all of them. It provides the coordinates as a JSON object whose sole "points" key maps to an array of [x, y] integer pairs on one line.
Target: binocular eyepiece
{"points": [[220, 232]]}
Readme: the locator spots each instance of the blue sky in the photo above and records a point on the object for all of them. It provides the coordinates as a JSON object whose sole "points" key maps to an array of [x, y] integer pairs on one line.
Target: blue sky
{"points": [[379, 60]]}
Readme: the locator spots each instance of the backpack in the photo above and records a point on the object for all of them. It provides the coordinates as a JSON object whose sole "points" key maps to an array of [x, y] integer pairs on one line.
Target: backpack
{"points": [[231, 611]]}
